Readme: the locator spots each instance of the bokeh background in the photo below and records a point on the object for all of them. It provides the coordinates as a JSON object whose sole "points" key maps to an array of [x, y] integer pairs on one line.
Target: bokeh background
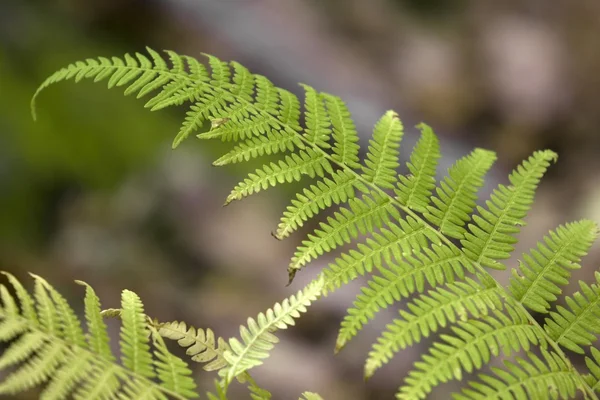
{"points": [[92, 191]]}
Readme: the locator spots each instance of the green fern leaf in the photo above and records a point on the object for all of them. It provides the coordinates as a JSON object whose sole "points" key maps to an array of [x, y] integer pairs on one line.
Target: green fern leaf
{"points": [[135, 342], [317, 124], [173, 373], [491, 233], [97, 331], [293, 168], [272, 143], [549, 377], [289, 110], [436, 266], [382, 156], [258, 338], [593, 364], [339, 189], [549, 265], [414, 191], [200, 344], [456, 195], [471, 346], [345, 137], [46, 310], [49, 345], [388, 246], [142, 75], [361, 217], [440, 307], [578, 326]]}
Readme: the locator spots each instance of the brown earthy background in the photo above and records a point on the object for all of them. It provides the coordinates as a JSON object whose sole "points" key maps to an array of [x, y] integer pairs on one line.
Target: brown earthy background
{"points": [[92, 191]]}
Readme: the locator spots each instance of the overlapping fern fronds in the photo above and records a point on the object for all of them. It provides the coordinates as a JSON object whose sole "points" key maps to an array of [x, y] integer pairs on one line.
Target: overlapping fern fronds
{"points": [[48, 345], [414, 231]]}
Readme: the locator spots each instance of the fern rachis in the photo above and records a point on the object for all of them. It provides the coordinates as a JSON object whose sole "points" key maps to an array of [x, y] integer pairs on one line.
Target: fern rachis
{"points": [[410, 220]]}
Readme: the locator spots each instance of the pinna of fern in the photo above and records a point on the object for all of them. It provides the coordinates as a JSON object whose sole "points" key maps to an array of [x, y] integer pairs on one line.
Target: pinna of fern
{"points": [[410, 220]]}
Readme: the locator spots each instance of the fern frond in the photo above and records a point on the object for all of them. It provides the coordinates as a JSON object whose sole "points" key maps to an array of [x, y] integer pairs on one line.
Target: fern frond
{"points": [[437, 265], [362, 216], [593, 364], [428, 313], [339, 189], [200, 344], [49, 345], [549, 265], [272, 143], [578, 325], [293, 168], [382, 156], [388, 246], [140, 73], [415, 190], [317, 122], [97, 331], [257, 337], [471, 346], [455, 196], [172, 371], [135, 341], [548, 377], [491, 233], [345, 137]]}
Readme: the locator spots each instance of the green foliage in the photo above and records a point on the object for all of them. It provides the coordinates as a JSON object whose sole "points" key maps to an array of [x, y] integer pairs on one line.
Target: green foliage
{"points": [[413, 233], [48, 345]]}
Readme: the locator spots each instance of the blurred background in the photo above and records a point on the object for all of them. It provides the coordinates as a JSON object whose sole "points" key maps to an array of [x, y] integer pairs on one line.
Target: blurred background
{"points": [[93, 191]]}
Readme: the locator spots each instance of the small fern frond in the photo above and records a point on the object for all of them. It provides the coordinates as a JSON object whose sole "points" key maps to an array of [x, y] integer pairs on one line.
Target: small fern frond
{"points": [[200, 344], [317, 122], [49, 345], [339, 189], [579, 324], [454, 202], [135, 341], [172, 371], [549, 265], [345, 137], [548, 377], [25, 301], [362, 216], [272, 143], [593, 364], [382, 156], [491, 233], [97, 331], [140, 73], [415, 190], [293, 168], [471, 346], [428, 313], [258, 338], [436, 265]]}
